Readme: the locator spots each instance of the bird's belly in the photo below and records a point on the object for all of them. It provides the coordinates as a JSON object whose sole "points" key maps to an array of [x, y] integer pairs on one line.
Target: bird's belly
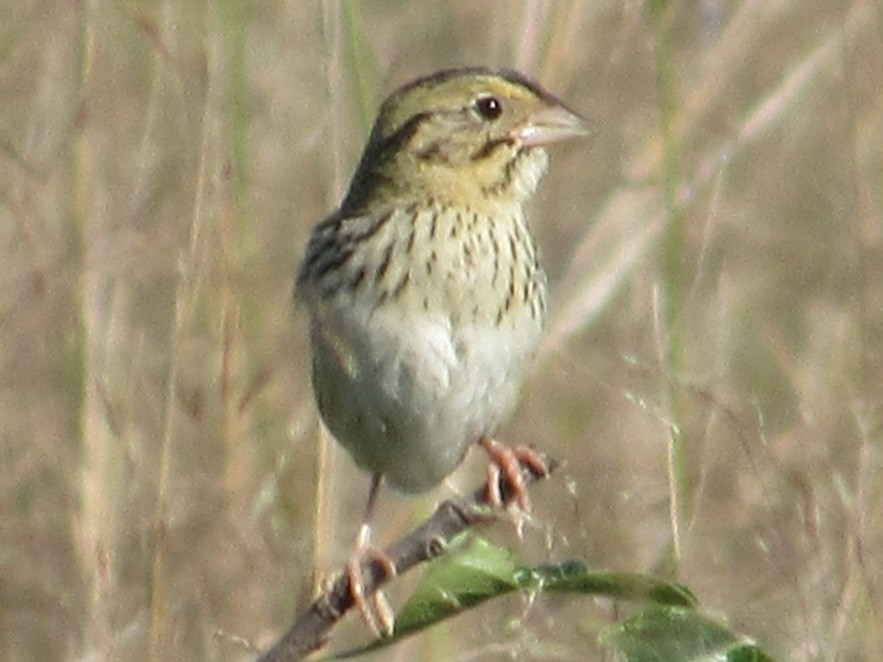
{"points": [[407, 399]]}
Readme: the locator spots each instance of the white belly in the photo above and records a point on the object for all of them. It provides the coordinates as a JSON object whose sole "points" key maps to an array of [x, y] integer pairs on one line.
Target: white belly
{"points": [[409, 398]]}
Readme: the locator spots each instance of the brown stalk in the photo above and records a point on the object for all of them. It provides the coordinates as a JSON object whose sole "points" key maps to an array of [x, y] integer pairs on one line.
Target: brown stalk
{"points": [[309, 632]]}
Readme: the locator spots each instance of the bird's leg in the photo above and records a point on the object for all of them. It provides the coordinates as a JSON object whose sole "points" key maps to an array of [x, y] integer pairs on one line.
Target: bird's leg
{"points": [[374, 607], [506, 465]]}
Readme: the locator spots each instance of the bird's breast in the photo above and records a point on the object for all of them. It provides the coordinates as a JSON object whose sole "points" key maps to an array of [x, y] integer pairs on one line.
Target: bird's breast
{"points": [[475, 266]]}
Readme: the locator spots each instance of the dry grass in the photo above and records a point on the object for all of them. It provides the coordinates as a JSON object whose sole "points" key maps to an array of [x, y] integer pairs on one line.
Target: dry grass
{"points": [[712, 376]]}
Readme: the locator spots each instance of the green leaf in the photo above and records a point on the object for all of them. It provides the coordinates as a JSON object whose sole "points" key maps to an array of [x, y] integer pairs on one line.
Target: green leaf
{"points": [[676, 634], [574, 577], [473, 571]]}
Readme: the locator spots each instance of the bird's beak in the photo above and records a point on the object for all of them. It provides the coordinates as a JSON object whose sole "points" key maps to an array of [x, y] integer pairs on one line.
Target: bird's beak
{"points": [[550, 125]]}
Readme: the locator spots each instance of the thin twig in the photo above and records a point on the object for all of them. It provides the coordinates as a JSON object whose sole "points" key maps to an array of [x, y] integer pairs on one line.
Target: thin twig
{"points": [[310, 630]]}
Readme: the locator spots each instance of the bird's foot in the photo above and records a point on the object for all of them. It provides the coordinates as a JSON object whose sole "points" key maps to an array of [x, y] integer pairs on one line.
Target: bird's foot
{"points": [[372, 605], [505, 469]]}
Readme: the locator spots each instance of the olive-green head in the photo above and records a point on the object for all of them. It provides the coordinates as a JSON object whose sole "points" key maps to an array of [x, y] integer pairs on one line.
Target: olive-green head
{"points": [[461, 136]]}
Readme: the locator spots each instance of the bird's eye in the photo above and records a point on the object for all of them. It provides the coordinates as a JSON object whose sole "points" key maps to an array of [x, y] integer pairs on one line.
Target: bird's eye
{"points": [[489, 108]]}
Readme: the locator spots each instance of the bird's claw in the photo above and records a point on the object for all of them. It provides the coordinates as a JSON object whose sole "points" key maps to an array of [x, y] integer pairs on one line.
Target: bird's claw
{"points": [[506, 469], [374, 607]]}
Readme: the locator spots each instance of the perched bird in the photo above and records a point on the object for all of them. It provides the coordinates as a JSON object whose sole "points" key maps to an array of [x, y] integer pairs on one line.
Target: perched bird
{"points": [[425, 294]]}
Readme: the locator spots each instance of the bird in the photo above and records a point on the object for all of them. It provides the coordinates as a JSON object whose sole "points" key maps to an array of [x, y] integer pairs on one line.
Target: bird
{"points": [[424, 289]]}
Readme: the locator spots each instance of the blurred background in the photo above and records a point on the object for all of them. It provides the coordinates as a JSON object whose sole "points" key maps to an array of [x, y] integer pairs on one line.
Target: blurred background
{"points": [[711, 378]]}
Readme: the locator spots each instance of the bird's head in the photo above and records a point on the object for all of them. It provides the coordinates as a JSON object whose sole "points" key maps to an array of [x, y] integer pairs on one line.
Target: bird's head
{"points": [[470, 136]]}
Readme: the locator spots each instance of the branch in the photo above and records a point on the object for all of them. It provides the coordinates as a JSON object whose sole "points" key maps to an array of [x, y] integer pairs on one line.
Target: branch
{"points": [[310, 630]]}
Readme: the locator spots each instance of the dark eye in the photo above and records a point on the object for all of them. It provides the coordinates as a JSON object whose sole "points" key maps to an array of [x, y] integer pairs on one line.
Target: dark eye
{"points": [[489, 108]]}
